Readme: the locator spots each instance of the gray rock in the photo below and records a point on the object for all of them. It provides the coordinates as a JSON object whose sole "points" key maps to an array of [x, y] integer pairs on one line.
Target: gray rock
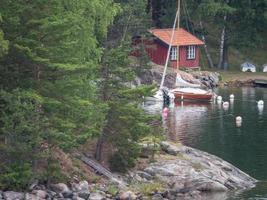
{"points": [[68, 194], [83, 185], [10, 195], [128, 195], [59, 188], [144, 175], [191, 170], [51, 193], [84, 194], [40, 193], [96, 196], [77, 198], [157, 197], [32, 197]]}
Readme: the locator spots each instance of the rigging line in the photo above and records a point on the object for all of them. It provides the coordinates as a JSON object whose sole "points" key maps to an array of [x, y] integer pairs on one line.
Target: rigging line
{"points": [[169, 50], [186, 18], [189, 18]]}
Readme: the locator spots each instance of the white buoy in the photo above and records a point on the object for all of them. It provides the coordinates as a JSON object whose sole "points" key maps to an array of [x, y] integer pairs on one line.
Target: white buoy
{"points": [[219, 99], [238, 121], [232, 96], [226, 105], [260, 109], [238, 124], [260, 103]]}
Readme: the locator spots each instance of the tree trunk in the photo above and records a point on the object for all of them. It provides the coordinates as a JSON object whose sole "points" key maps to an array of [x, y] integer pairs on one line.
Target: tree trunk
{"points": [[99, 147], [104, 98], [222, 46], [211, 65], [225, 63]]}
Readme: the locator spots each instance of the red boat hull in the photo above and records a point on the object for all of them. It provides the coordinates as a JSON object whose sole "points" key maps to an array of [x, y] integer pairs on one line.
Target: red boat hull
{"points": [[192, 96]]}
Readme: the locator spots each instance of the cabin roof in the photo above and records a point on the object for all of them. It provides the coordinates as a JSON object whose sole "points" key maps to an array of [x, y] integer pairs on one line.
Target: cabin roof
{"points": [[181, 37]]}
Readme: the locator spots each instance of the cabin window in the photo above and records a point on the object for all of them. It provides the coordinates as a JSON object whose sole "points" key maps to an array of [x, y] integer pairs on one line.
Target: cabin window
{"points": [[191, 52], [173, 53]]}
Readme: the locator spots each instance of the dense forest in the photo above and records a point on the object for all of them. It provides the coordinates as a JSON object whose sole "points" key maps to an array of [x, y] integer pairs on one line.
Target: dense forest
{"points": [[65, 74]]}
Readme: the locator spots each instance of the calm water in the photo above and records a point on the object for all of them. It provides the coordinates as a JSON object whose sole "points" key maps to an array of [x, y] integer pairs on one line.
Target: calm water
{"points": [[211, 128]]}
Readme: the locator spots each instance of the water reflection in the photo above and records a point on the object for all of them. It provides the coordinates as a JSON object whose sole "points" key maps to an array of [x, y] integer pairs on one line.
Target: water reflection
{"points": [[184, 118], [211, 128]]}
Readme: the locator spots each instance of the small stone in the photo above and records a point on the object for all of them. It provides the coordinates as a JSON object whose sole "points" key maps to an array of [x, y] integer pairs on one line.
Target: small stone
{"points": [[84, 194], [145, 175], [129, 195], [31, 197], [9, 195], [157, 197], [96, 196], [67, 194], [59, 188], [77, 198], [40, 193], [83, 185], [51, 193]]}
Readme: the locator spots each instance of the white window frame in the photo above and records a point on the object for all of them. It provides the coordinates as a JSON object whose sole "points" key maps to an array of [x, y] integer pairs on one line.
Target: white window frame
{"points": [[191, 52], [173, 53]]}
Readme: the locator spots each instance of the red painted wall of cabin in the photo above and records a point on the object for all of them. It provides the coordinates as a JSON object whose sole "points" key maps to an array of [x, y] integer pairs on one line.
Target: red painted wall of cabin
{"points": [[184, 62], [157, 52]]}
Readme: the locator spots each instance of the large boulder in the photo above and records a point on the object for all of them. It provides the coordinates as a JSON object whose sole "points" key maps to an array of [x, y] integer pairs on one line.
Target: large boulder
{"points": [[186, 170]]}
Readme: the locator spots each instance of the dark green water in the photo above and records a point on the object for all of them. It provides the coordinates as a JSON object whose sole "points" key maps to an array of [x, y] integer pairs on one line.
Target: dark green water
{"points": [[211, 128]]}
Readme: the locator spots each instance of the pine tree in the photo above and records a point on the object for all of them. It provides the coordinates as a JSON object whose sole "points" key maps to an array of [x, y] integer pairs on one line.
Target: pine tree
{"points": [[125, 123], [54, 51]]}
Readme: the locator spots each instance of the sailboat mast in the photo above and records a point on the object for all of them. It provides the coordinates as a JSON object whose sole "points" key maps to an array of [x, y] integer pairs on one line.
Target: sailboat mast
{"points": [[178, 26], [169, 50]]}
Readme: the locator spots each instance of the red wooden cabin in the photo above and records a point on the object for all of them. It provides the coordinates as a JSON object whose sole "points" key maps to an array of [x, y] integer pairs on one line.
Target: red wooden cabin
{"points": [[189, 54]]}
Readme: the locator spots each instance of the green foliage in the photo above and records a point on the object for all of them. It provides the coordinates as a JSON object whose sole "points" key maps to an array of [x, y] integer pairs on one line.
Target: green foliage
{"points": [[54, 51], [3, 43], [133, 20], [20, 137], [150, 188], [125, 122], [15, 176]]}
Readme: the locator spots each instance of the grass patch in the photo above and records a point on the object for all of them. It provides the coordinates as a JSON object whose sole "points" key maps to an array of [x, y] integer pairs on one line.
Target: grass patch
{"points": [[150, 188], [113, 189]]}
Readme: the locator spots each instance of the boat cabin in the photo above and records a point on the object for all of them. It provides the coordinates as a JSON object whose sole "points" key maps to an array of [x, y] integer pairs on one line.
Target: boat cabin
{"points": [[157, 48]]}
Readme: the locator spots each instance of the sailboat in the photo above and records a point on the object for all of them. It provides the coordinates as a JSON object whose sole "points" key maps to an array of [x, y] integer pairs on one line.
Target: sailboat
{"points": [[184, 90]]}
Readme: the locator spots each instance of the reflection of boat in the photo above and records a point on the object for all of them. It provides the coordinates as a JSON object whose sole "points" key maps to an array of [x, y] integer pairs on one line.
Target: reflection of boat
{"points": [[192, 103], [185, 118], [192, 94]]}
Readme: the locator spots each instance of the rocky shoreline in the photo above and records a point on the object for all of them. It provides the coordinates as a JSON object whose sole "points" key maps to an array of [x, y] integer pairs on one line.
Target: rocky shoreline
{"points": [[180, 172], [206, 79]]}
